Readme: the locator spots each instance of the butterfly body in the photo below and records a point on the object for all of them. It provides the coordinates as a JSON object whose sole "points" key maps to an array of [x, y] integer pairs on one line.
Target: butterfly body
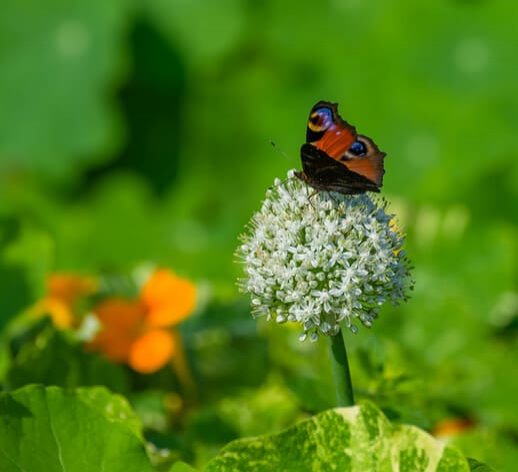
{"points": [[335, 158]]}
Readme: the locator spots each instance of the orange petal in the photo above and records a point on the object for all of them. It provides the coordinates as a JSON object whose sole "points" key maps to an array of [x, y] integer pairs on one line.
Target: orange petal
{"points": [[169, 299], [152, 351], [69, 287], [120, 313], [122, 322]]}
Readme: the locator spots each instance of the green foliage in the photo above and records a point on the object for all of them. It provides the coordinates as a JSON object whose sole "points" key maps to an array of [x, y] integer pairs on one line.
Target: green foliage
{"points": [[477, 466], [37, 433], [58, 62], [226, 351], [50, 429], [52, 359], [136, 132], [348, 439], [182, 467]]}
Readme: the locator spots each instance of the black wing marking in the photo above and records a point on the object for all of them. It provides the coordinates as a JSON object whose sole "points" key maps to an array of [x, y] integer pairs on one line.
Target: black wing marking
{"points": [[325, 173]]}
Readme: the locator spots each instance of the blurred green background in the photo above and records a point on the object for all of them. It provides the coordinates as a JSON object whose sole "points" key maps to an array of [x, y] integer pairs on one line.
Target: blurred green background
{"points": [[140, 131]]}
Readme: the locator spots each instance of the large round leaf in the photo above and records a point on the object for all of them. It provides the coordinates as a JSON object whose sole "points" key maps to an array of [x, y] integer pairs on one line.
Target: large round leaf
{"points": [[51, 429], [59, 60], [356, 439]]}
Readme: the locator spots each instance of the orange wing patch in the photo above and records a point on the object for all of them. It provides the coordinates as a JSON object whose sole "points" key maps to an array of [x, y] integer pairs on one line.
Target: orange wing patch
{"points": [[335, 142], [370, 167]]}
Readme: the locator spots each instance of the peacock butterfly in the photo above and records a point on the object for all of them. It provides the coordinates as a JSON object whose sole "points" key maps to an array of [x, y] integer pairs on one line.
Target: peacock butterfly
{"points": [[335, 158]]}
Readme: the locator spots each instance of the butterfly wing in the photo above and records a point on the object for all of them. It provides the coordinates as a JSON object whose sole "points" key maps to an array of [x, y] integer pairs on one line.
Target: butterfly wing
{"points": [[325, 173], [337, 140], [327, 131], [369, 165]]}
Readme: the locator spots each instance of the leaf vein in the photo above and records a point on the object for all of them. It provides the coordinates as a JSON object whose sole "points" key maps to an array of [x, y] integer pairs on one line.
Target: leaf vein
{"points": [[52, 430], [12, 460]]}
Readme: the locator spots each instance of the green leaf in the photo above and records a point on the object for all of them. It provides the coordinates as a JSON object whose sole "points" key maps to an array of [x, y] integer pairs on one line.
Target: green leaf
{"points": [[22, 275], [272, 407], [353, 439], [58, 60], [476, 466], [189, 23], [182, 467], [50, 429], [54, 359], [228, 355]]}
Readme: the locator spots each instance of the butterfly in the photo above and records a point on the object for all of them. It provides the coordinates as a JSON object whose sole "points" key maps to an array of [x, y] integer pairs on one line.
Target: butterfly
{"points": [[337, 159]]}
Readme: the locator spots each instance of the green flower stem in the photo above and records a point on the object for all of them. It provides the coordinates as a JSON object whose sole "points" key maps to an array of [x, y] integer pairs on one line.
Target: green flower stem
{"points": [[344, 386]]}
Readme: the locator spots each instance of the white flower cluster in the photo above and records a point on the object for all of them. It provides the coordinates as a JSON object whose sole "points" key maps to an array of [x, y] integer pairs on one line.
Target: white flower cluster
{"points": [[322, 259]]}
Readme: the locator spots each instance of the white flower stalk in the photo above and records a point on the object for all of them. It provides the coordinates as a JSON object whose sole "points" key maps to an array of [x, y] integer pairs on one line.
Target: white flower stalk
{"points": [[322, 259]]}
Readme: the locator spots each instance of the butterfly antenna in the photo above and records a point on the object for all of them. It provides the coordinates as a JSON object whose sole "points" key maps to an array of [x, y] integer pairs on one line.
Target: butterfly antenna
{"points": [[283, 154], [279, 150]]}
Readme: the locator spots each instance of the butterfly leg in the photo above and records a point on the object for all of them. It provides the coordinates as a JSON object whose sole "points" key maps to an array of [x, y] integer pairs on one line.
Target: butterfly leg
{"points": [[310, 196], [333, 197]]}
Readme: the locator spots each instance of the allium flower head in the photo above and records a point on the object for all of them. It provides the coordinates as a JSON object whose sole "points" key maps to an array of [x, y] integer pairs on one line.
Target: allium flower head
{"points": [[322, 259]]}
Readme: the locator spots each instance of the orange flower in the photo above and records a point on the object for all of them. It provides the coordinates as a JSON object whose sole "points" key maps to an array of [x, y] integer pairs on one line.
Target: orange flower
{"points": [[121, 321], [63, 292], [451, 427], [137, 332]]}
